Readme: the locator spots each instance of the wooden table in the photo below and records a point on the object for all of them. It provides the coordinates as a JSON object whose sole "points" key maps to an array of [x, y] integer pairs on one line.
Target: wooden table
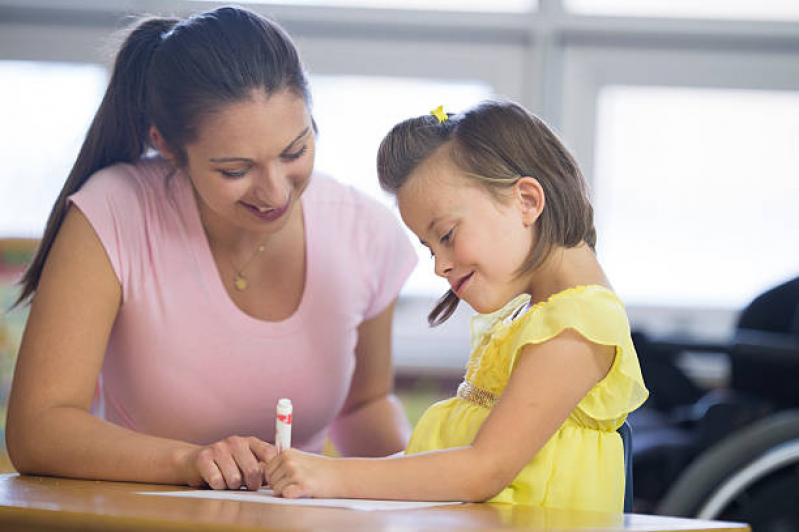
{"points": [[41, 503]]}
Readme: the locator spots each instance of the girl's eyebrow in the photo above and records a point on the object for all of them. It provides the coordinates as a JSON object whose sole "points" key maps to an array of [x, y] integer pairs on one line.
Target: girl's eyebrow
{"points": [[250, 161]]}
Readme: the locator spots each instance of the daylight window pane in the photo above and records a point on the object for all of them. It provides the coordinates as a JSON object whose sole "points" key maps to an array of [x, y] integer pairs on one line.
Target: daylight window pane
{"points": [[499, 6], [720, 9], [354, 113], [696, 193], [46, 110]]}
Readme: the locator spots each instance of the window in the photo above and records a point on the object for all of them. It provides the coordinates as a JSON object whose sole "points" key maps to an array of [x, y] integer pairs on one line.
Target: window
{"points": [[719, 9], [355, 112], [46, 108], [696, 192], [436, 5]]}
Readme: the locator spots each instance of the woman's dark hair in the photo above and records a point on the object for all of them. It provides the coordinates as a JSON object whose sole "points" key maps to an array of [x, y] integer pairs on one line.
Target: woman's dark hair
{"points": [[172, 74], [496, 143]]}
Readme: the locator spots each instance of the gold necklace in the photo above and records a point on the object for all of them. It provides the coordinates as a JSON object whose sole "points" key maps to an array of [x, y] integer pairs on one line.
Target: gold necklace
{"points": [[240, 280]]}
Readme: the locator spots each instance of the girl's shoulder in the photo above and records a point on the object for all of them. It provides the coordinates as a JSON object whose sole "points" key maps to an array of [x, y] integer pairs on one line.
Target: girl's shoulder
{"points": [[594, 311]]}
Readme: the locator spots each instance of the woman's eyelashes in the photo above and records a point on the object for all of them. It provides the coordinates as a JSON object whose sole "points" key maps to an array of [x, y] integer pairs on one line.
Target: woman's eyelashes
{"points": [[234, 174], [290, 156], [295, 155]]}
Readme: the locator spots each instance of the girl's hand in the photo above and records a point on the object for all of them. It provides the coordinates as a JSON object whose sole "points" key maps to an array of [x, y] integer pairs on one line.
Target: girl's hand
{"points": [[293, 474], [229, 464]]}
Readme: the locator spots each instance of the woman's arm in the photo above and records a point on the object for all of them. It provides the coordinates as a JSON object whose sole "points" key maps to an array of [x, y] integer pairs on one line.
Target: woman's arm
{"points": [[548, 382], [50, 430], [372, 422]]}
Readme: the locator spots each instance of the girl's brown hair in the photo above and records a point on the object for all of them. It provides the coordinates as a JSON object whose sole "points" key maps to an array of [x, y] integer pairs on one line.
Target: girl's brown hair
{"points": [[496, 143]]}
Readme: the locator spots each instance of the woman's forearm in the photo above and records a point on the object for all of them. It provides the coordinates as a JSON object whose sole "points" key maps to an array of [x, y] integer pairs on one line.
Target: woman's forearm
{"points": [[375, 428], [67, 441]]}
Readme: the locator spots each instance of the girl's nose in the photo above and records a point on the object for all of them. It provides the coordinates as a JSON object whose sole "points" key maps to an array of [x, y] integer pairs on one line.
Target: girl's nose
{"points": [[443, 265]]}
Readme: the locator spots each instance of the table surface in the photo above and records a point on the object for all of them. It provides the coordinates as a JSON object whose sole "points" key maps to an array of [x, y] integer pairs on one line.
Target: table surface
{"points": [[43, 503]]}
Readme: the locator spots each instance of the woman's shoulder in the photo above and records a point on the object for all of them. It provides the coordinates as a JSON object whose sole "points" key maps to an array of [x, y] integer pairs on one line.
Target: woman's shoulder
{"points": [[327, 192], [357, 214], [128, 181]]}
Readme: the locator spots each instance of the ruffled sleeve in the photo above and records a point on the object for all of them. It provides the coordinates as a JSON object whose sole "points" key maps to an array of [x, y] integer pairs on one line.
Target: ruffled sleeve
{"points": [[598, 315]]}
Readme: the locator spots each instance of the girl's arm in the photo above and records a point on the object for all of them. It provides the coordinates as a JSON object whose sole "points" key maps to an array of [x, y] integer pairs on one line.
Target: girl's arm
{"points": [[372, 422], [548, 382], [50, 430]]}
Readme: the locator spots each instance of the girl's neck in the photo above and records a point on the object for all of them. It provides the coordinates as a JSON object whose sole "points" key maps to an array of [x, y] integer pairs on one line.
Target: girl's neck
{"points": [[563, 269]]}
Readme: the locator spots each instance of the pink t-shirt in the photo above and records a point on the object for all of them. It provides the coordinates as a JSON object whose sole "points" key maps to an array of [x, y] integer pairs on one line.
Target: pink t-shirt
{"points": [[183, 361]]}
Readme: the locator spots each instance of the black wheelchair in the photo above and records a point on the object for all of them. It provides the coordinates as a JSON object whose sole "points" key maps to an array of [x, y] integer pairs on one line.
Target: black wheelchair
{"points": [[731, 453]]}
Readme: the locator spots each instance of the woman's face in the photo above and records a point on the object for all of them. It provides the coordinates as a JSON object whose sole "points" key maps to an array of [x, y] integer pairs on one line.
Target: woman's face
{"points": [[252, 161]]}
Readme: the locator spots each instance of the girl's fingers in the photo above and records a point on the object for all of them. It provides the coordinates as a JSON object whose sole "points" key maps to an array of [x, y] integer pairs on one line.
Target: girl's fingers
{"points": [[264, 451], [272, 466]]}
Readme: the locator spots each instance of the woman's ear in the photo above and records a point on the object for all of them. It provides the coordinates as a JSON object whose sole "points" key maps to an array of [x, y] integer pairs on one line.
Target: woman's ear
{"points": [[162, 146], [530, 197]]}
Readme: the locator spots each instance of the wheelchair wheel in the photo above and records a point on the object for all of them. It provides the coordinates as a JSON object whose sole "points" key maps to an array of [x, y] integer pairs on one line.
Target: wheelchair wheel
{"points": [[751, 476]]}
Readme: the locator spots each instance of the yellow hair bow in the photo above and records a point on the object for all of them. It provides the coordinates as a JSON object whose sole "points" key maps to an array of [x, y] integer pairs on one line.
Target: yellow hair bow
{"points": [[439, 113]]}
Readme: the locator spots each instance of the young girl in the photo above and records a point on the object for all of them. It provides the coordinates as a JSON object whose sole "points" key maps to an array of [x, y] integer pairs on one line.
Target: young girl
{"points": [[553, 373]]}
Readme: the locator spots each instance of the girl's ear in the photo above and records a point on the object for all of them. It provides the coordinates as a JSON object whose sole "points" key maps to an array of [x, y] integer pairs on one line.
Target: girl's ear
{"points": [[530, 197], [161, 145]]}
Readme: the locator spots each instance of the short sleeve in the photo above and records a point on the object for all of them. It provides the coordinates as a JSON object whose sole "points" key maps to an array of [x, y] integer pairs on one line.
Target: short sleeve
{"points": [[111, 201], [390, 257], [599, 316]]}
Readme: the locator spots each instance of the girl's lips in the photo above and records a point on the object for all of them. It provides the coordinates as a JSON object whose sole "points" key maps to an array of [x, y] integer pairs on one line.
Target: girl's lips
{"points": [[462, 283], [269, 215]]}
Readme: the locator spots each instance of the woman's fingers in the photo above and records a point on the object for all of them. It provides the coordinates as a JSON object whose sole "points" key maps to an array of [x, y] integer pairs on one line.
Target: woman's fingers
{"points": [[250, 468], [227, 465], [233, 462], [208, 469]]}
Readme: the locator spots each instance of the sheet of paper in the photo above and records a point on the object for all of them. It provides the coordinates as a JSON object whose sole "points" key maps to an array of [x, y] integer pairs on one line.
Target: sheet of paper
{"points": [[266, 496]]}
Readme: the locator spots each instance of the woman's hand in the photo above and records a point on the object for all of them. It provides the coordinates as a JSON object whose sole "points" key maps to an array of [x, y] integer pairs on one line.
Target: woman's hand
{"points": [[292, 474], [229, 464]]}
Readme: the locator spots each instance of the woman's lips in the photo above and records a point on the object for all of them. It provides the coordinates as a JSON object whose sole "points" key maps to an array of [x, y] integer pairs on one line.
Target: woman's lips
{"points": [[459, 286], [268, 214]]}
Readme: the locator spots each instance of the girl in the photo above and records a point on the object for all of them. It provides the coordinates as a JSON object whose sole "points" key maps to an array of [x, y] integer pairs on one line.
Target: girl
{"points": [[179, 295], [503, 208]]}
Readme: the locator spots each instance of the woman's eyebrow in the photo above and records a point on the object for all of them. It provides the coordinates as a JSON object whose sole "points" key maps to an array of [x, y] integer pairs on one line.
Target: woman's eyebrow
{"points": [[297, 138], [250, 161]]}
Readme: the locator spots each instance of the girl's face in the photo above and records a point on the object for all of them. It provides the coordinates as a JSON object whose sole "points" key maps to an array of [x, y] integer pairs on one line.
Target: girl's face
{"points": [[478, 242], [252, 161]]}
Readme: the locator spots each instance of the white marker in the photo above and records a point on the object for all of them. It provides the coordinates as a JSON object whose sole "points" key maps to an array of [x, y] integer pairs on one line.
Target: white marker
{"points": [[283, 425]]}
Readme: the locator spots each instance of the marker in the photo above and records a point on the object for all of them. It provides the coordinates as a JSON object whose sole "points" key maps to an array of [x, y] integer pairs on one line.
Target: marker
{"points": [[283, 425]]}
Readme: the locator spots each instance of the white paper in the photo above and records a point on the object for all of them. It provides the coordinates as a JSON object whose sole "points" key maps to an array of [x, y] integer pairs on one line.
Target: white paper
{"points": [[266, 496]]}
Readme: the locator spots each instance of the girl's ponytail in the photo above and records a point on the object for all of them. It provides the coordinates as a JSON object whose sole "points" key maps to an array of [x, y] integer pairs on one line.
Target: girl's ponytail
{"points": [[118, 132]]}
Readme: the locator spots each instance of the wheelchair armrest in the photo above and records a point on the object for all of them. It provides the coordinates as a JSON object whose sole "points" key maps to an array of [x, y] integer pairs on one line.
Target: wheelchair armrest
{"points": [[766, 346]]}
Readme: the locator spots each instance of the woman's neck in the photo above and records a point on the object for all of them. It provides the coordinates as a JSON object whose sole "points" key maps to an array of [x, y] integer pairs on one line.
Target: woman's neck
{"points": [[232, 240]]}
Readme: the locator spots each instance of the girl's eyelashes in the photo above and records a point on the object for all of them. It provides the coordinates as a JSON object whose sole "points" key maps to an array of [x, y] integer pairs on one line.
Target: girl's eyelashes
{"points": [[295, 155], [447, 238]]}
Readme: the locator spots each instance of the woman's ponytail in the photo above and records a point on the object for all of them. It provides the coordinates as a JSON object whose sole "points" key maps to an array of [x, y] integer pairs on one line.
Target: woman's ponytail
{"points": [[118, 132]]}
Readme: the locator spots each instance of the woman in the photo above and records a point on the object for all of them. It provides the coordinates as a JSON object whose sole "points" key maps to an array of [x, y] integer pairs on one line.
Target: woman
{"points": [[177, 296]]}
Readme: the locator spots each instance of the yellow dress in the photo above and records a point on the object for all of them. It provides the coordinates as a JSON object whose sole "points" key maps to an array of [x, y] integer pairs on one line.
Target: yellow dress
{"points": [[582, 464]]}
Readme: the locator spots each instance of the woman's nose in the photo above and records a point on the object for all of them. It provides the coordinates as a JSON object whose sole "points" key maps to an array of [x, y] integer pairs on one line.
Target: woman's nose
{"points": [[271, 187]]}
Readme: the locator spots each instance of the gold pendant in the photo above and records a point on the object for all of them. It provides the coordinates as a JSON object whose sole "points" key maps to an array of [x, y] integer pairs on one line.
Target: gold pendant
{"points": [[240, 282]]}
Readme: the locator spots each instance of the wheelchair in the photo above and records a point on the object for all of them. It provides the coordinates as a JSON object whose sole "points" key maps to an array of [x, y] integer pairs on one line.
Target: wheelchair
{"points": [[731, 453]]}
